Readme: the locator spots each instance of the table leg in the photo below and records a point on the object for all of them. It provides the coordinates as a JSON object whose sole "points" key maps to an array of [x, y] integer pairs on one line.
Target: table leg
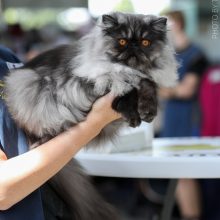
{"points": [[169, 200]]}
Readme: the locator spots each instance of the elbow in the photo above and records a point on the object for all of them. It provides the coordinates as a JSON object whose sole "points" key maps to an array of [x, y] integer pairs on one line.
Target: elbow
{"points": [[5, 199], [4, 204], [185, 94], [189, 95], [6, 195]]}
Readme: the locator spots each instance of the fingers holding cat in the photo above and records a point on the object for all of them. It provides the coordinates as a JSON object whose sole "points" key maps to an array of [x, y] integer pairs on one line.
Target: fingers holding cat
{"points": [[102, 111]]}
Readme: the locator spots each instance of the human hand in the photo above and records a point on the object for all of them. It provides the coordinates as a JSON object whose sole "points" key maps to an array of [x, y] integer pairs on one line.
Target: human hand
{"points": [[102, 112]]}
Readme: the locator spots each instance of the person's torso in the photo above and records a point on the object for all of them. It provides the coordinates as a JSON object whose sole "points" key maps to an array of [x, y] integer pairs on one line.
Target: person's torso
{"points": [[13, 142]]}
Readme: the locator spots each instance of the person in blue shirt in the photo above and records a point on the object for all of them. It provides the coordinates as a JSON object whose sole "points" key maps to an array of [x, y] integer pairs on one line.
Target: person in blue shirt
{"points": [[181, 112], [181, 101], [22, 172]]}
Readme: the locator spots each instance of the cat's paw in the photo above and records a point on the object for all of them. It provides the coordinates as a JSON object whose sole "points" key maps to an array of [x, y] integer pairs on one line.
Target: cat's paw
{"points": [[148, 115], [127, 106], [147, 102], [133, 120]]}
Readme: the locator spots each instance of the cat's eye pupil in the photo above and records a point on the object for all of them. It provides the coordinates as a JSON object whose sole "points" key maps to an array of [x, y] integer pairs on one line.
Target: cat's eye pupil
{"points": [[122, 42], [145, 43]]}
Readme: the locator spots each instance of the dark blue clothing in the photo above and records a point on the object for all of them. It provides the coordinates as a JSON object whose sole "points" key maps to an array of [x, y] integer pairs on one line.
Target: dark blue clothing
{"points": [[13, 143], [181, 117]]}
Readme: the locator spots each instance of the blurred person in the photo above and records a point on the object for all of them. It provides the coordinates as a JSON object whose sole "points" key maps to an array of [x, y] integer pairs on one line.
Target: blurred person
{"points": [[210, 126], [181, 101], [16, 40], [33, 44], [210, 102], [181, 112], [52, 36], [46, 38], [22, 172]]}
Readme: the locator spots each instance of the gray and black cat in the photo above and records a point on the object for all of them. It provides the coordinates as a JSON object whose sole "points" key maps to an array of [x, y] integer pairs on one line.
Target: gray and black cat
{"points": [[127, 54]]}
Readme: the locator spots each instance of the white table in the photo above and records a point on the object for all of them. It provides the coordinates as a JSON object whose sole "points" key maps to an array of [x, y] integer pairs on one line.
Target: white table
{"points": [[148, 163], [154, 163]]}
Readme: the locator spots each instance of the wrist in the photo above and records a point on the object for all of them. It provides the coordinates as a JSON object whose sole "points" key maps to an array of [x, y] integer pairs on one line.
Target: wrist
{"points": [[96, 124]]}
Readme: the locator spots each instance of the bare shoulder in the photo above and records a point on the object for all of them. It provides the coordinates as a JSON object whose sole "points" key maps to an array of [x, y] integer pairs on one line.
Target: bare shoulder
{"points": [[2, 155]]}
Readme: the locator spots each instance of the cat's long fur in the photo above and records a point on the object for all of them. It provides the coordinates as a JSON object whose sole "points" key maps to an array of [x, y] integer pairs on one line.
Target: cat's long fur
{"points": [[57, 89]]}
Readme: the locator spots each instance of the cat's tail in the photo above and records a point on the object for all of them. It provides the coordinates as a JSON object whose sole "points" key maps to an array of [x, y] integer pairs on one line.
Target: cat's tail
{"points": [[84, 202]]}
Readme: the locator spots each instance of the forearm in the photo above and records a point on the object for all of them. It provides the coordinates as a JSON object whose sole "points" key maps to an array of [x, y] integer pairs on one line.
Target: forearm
{"points": [[23, 174], [186, 89], [183, 92]]}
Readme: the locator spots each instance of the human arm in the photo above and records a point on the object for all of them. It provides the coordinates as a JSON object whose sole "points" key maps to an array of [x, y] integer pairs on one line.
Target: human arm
{"points": [[21, 175], [186, 89], [188, 86]]}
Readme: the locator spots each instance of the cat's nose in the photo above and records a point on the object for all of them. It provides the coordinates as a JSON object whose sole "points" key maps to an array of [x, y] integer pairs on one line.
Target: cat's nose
{"points": [[134, 45]]}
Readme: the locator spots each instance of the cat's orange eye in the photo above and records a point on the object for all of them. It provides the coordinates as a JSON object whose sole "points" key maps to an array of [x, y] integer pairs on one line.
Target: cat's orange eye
{"points": [[145, 43], [122, 42]]}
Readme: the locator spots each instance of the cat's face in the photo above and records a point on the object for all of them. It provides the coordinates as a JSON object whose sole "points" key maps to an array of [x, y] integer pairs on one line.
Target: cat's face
{"points": [[133, 40]]}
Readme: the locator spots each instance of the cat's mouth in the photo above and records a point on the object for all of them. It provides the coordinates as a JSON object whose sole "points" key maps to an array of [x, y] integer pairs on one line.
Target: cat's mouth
{"points": [[132, 61], [137, 59]]}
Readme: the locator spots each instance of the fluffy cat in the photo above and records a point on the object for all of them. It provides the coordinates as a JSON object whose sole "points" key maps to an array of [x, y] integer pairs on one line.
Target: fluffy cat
{"points": [[127, 54]]}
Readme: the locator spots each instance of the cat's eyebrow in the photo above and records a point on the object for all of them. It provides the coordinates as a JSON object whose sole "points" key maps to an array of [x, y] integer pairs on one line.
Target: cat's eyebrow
{"points": [[130, 33], [123, 34], [144, 34]]}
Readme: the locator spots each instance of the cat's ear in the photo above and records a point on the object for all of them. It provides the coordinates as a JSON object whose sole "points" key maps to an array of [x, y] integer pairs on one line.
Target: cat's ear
{"points": [[109, 20], [160, 23]]}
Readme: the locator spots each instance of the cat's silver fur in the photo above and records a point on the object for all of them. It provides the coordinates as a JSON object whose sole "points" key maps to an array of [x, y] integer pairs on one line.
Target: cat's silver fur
{"points": [[43, 115], [44, 101]]}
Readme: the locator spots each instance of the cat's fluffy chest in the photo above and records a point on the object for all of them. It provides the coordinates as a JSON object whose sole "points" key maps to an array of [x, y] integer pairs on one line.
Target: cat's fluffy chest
{"points": [[109, 76]]}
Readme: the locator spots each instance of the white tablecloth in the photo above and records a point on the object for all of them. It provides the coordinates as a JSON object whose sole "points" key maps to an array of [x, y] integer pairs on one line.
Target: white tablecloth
{"points": [[157, 163]]}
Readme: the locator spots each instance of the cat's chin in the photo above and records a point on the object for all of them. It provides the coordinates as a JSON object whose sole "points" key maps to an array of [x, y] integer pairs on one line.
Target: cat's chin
{"points": [[133, 62]]}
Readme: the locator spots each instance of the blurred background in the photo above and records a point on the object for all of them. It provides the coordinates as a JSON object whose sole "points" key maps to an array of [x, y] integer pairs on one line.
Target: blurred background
{"points": [[30, 27], [27, 24]]}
